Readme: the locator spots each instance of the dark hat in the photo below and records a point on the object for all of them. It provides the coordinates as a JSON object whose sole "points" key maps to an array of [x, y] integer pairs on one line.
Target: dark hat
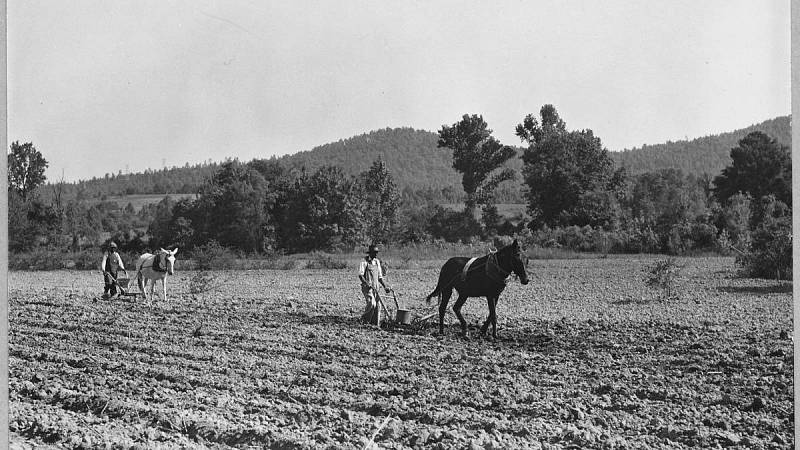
{"points": [[373, 248]]}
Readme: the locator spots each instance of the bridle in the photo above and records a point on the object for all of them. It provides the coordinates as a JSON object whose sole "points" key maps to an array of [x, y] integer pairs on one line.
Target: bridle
{"points": [[494, 261]]}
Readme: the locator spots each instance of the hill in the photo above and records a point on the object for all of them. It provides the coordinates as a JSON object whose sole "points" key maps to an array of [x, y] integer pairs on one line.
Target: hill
{"points": [[412, 156], [709, 154], [419, 166]]}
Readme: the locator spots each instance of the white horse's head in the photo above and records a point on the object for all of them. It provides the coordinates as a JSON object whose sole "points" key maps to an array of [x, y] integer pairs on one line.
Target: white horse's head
{"points": [[170, 260]]}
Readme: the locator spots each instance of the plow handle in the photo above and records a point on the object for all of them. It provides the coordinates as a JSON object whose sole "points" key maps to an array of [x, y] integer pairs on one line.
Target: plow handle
{"points": [[394, 296]]}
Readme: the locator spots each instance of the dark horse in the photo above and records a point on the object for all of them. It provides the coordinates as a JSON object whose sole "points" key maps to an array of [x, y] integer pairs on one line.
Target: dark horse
{"points": [[485, 277]]}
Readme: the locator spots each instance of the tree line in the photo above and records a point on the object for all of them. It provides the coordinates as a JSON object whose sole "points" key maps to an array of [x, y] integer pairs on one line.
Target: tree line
{"points": [[421, 173], [576, 197], [708, 154]]}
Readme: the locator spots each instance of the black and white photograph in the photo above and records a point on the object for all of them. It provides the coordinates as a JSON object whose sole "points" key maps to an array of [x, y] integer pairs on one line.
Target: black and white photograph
{"points": [[362, 224]]}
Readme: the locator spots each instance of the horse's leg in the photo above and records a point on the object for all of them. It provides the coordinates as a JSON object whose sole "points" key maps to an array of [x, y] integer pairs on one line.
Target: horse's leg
{"points": [[141, 286], [443, 308], [485, 326], [457, 309], [152, 287], [493, 315]]}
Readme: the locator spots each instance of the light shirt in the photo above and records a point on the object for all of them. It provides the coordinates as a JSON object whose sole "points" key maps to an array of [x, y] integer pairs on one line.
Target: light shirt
{"points": [[371, 271]]}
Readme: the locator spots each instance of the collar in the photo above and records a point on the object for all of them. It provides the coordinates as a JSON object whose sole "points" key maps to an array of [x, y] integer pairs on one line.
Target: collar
{"points": [[493, 261]]}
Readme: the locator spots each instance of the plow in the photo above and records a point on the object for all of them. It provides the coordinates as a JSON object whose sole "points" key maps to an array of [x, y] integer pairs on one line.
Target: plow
{"points": [[407, 319]]}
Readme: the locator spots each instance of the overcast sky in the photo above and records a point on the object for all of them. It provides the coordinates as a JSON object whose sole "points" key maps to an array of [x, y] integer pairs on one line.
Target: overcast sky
{"points": [[99, 86]]}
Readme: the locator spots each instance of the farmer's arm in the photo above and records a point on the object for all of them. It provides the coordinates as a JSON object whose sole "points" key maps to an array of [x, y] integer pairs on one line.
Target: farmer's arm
{"points": [[121, 266], [103, 263], [380, 277], [361, 270]]}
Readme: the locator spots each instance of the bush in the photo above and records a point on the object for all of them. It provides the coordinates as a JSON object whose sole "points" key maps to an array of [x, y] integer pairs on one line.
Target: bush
{"points": [[453, 226], [213, 256], [770, 252], [642, 239], [679, 239], [686, 237], [704, 236], [663, 275]]}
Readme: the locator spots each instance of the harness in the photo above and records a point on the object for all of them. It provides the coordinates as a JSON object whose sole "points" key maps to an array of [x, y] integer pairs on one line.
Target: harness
{"points": [[154, 265], [491, 262], [496, 265], [466, 268], [490, 265]]}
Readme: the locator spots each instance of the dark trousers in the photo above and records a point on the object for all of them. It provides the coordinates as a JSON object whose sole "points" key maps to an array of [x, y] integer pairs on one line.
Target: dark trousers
{"points": [[111, 286]]}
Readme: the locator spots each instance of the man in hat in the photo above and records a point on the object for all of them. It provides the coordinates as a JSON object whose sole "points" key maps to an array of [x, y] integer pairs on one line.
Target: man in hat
{"points": [[110, 266], [370, 274]]}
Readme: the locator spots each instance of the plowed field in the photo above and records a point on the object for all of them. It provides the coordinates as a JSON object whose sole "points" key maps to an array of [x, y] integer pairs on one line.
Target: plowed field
{"points": [[587, 357]]}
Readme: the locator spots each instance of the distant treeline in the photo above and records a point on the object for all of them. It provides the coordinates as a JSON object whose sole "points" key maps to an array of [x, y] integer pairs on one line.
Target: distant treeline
{"points": [[422, 171], [705, 155], [576, 197]]}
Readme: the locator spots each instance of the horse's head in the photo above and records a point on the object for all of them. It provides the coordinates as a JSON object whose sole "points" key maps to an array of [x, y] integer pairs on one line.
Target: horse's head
{"points": [[169, 259], [512, 256]]}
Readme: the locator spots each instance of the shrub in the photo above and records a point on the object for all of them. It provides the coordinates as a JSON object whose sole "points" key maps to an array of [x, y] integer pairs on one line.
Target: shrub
{"points": [[686, 237], [704, 236], [453, 226], [770, 252], [213, 256], [663, 275]]}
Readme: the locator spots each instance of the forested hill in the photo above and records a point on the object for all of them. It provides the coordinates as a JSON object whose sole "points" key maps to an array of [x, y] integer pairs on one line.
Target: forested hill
{"points": [[411, 155], [418, 165], [708, 154]]}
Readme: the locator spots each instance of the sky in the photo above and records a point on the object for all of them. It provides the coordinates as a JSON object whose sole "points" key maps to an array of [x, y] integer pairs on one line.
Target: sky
{"points": [[107, 86]]}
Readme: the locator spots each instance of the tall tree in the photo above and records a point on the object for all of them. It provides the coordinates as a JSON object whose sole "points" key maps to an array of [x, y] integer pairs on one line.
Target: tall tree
{"points": [[570, 176], [26, 167], [382, 201], [476, 155], [666, 198], [760, 167], [21, 232], [159, 226], [76, 223], [321, 211], [231, 209]]}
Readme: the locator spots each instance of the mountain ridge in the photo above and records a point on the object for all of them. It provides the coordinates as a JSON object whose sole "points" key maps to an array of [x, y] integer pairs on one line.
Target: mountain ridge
{"points": [[418, 165]]}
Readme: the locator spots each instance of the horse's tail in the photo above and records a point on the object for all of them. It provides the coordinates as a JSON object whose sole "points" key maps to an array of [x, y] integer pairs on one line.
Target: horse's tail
{"points": [[440, 286]]}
